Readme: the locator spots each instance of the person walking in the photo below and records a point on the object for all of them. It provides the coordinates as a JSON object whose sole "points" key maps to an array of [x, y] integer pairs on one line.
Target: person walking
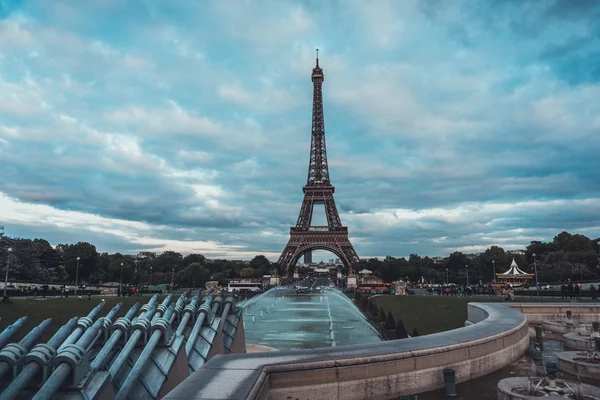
{"points": [[594, 292], [570, 290]]}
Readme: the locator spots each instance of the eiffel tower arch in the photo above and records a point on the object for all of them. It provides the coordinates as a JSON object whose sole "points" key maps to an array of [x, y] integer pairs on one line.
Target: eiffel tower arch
{"points": [[318, 190]]}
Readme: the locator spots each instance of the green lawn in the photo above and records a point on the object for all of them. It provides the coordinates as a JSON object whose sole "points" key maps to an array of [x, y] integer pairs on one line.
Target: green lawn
{"points": [[61, 311], [431, 314]]}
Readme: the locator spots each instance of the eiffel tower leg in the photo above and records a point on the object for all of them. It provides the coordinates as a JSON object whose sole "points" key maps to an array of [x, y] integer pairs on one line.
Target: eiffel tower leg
{"points": [[286, 258]]}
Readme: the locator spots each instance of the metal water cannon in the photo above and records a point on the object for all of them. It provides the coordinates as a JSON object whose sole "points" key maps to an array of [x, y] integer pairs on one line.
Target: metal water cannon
{"points": [[160, 310], [216, 306], [143, 324], [179, 306], [117, 330], [203, 315], [83, 324], [139, 329], [147, 306], [71, 364], [231, 302], [108, 321], [38, 360], [161, 333], [189, 312], [9, 331], [123, 324], [11, 354], [164, 326]]}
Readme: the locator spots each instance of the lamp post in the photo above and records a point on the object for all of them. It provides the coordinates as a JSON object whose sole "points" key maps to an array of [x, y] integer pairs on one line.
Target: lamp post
{"points": [[150, 276], [447, 280], [467, 270], [537, 283], [494, 267], [7, 267], [77, 276], [121, 281], [172, 278]]}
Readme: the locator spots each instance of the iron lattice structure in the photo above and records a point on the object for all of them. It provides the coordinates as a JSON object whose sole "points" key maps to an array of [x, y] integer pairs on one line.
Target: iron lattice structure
{"points": [[318, 190]]}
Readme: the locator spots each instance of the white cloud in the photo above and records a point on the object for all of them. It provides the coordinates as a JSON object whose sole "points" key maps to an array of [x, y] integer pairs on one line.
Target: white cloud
{"points": [[141, 236], [268, 99]]}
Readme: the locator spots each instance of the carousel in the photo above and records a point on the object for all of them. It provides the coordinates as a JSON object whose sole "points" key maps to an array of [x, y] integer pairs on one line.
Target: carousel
{"points": [[514, 276]]}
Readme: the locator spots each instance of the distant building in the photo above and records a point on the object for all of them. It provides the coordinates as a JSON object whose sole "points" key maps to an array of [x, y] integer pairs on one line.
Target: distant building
{"points": [[516, 252], [437, 260]]}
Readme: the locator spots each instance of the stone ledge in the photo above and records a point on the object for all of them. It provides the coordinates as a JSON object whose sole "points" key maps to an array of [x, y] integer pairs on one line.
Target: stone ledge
{"points": [[385, 369], [498, 336]]}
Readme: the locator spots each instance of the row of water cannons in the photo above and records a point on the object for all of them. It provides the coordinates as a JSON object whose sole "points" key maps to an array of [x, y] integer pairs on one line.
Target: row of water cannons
{"points": [[64, 361]]}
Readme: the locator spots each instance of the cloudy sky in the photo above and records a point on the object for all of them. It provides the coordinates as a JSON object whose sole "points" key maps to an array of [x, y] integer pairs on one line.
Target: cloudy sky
{"points": [[185, 125]]}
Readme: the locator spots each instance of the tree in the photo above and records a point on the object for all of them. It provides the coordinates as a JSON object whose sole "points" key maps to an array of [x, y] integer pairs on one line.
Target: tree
{"points": [[415, 333], [247, 273], [381, 315], [88, 257], [168, 260], [260, 262], [221, 278], [400, 330], [389, 321], [194, 258], [373, 308], [50, 260], [194, 274], [364, 303]]}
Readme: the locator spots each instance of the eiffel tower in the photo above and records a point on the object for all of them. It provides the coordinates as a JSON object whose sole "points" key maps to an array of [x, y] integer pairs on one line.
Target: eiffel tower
{"points": [[318, 190]]}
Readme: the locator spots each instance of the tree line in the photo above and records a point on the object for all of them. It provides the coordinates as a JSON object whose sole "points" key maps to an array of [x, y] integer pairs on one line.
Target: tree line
{"points": [[35, 260], [567, 256]]}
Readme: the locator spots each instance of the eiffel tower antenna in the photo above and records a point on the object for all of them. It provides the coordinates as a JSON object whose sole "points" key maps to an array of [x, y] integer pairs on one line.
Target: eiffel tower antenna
{"points": [[318, 190]]}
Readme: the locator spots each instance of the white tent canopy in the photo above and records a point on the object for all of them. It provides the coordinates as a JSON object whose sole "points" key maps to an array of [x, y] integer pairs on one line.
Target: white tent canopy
{"points": [[514, 270]]}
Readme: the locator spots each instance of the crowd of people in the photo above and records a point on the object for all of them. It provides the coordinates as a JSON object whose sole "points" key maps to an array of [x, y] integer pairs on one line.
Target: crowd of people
{"points": [[574, 291]]}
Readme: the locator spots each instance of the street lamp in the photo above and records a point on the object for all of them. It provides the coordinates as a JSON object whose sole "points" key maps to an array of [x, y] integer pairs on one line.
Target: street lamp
{"points": [[467, 269], [121, 282], [172, 278], [537, 283], [7, 267], [447, 280], [494, 267], [77, 276], [150, 276]]}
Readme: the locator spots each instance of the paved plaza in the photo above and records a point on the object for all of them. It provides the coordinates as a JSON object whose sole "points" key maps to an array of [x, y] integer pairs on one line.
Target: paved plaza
{"points": [[291, 321]]}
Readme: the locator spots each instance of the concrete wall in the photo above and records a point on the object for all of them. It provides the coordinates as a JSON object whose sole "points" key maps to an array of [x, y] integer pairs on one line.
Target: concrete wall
{"points": [[498, 337], [536, 313]]}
